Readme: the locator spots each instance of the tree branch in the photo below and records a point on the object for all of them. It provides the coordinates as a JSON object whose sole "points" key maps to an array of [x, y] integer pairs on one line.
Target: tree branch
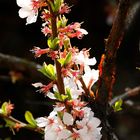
{"points": [[107, 66], [27, 68], [21, 124], [132, 92]]}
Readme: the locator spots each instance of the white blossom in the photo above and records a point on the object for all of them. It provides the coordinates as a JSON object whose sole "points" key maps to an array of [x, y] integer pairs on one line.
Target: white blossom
{"points": [[27, 11], [82, 58], [70, 83], [90, 76], [89, 126], [68, 119], [42, 122]]}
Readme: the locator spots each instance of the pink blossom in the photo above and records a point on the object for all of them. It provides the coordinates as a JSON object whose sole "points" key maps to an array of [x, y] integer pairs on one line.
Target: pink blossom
{"points": [[38, 52], [64, 8], [46, 30], [46, 15]]}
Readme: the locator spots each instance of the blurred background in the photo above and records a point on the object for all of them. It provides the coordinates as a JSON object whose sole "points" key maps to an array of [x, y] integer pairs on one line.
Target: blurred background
{"points": [[17, 75]]}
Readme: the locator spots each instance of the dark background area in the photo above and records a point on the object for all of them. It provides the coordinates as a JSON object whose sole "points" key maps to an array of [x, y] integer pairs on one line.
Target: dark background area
{"points": [[17, 39]]}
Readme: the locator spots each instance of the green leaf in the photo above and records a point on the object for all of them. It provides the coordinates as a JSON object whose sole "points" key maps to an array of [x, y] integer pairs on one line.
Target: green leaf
{"points": [[3, 108], [59, 23], [9, 123], [61, 61], [30, 119], [57, 5], [53, 43], [64, 21], [48, 70], [67, 43], [52, 5], [64, 97], [68, 93], [49, 42], [60, 114], [68, 58], [118, 105], [58, 96]]}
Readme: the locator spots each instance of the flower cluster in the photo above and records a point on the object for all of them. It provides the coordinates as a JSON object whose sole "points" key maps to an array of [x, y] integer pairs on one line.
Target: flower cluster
{"points": [[79, 124], [71, 77]]}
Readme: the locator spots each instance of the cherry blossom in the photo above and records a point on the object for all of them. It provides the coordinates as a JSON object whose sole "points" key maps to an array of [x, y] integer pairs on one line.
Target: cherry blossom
{"points": [[82, 58], [68, 119], [89, 126], [71, 118], [90, 76], [64, 8], [27, 11], [38, 52]]}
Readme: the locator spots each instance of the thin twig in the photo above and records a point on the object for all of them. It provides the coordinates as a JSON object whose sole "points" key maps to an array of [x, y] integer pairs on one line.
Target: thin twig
{"points": [[132, 92], [26, 67], [22, 124], [132, 107]]}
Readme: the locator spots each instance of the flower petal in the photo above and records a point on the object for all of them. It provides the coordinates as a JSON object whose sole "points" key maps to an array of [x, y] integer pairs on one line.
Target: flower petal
{"points": [[68, 119], [51, 95], [41, 122], [24, 12], [31, 18], [36, 85], [64, 134], [24, 3]]}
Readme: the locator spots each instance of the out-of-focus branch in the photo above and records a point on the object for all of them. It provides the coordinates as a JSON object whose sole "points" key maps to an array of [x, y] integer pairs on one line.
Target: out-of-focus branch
{"points": [[132, 92], [19, 124], [27, 68], [132, 107]]}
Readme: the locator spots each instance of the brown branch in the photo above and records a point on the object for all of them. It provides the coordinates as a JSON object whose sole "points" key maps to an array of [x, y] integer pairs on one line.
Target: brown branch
{"points": [[132, 92], [22, 124], [26, 67], [107, 67]]}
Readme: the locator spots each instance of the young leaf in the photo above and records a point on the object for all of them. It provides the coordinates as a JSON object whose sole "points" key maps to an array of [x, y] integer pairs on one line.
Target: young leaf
{"points": [[64, 97], [61, 61], [52, 5], [53, 43], [68, 58], [118, 105], [30, 119], [3, 108], [64, 21], [68, 93], [9, 123], [57, 96], [48, 70]]}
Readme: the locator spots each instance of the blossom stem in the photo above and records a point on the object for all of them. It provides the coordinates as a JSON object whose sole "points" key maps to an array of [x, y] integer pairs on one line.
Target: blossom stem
{"points": [[60, 83]]}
